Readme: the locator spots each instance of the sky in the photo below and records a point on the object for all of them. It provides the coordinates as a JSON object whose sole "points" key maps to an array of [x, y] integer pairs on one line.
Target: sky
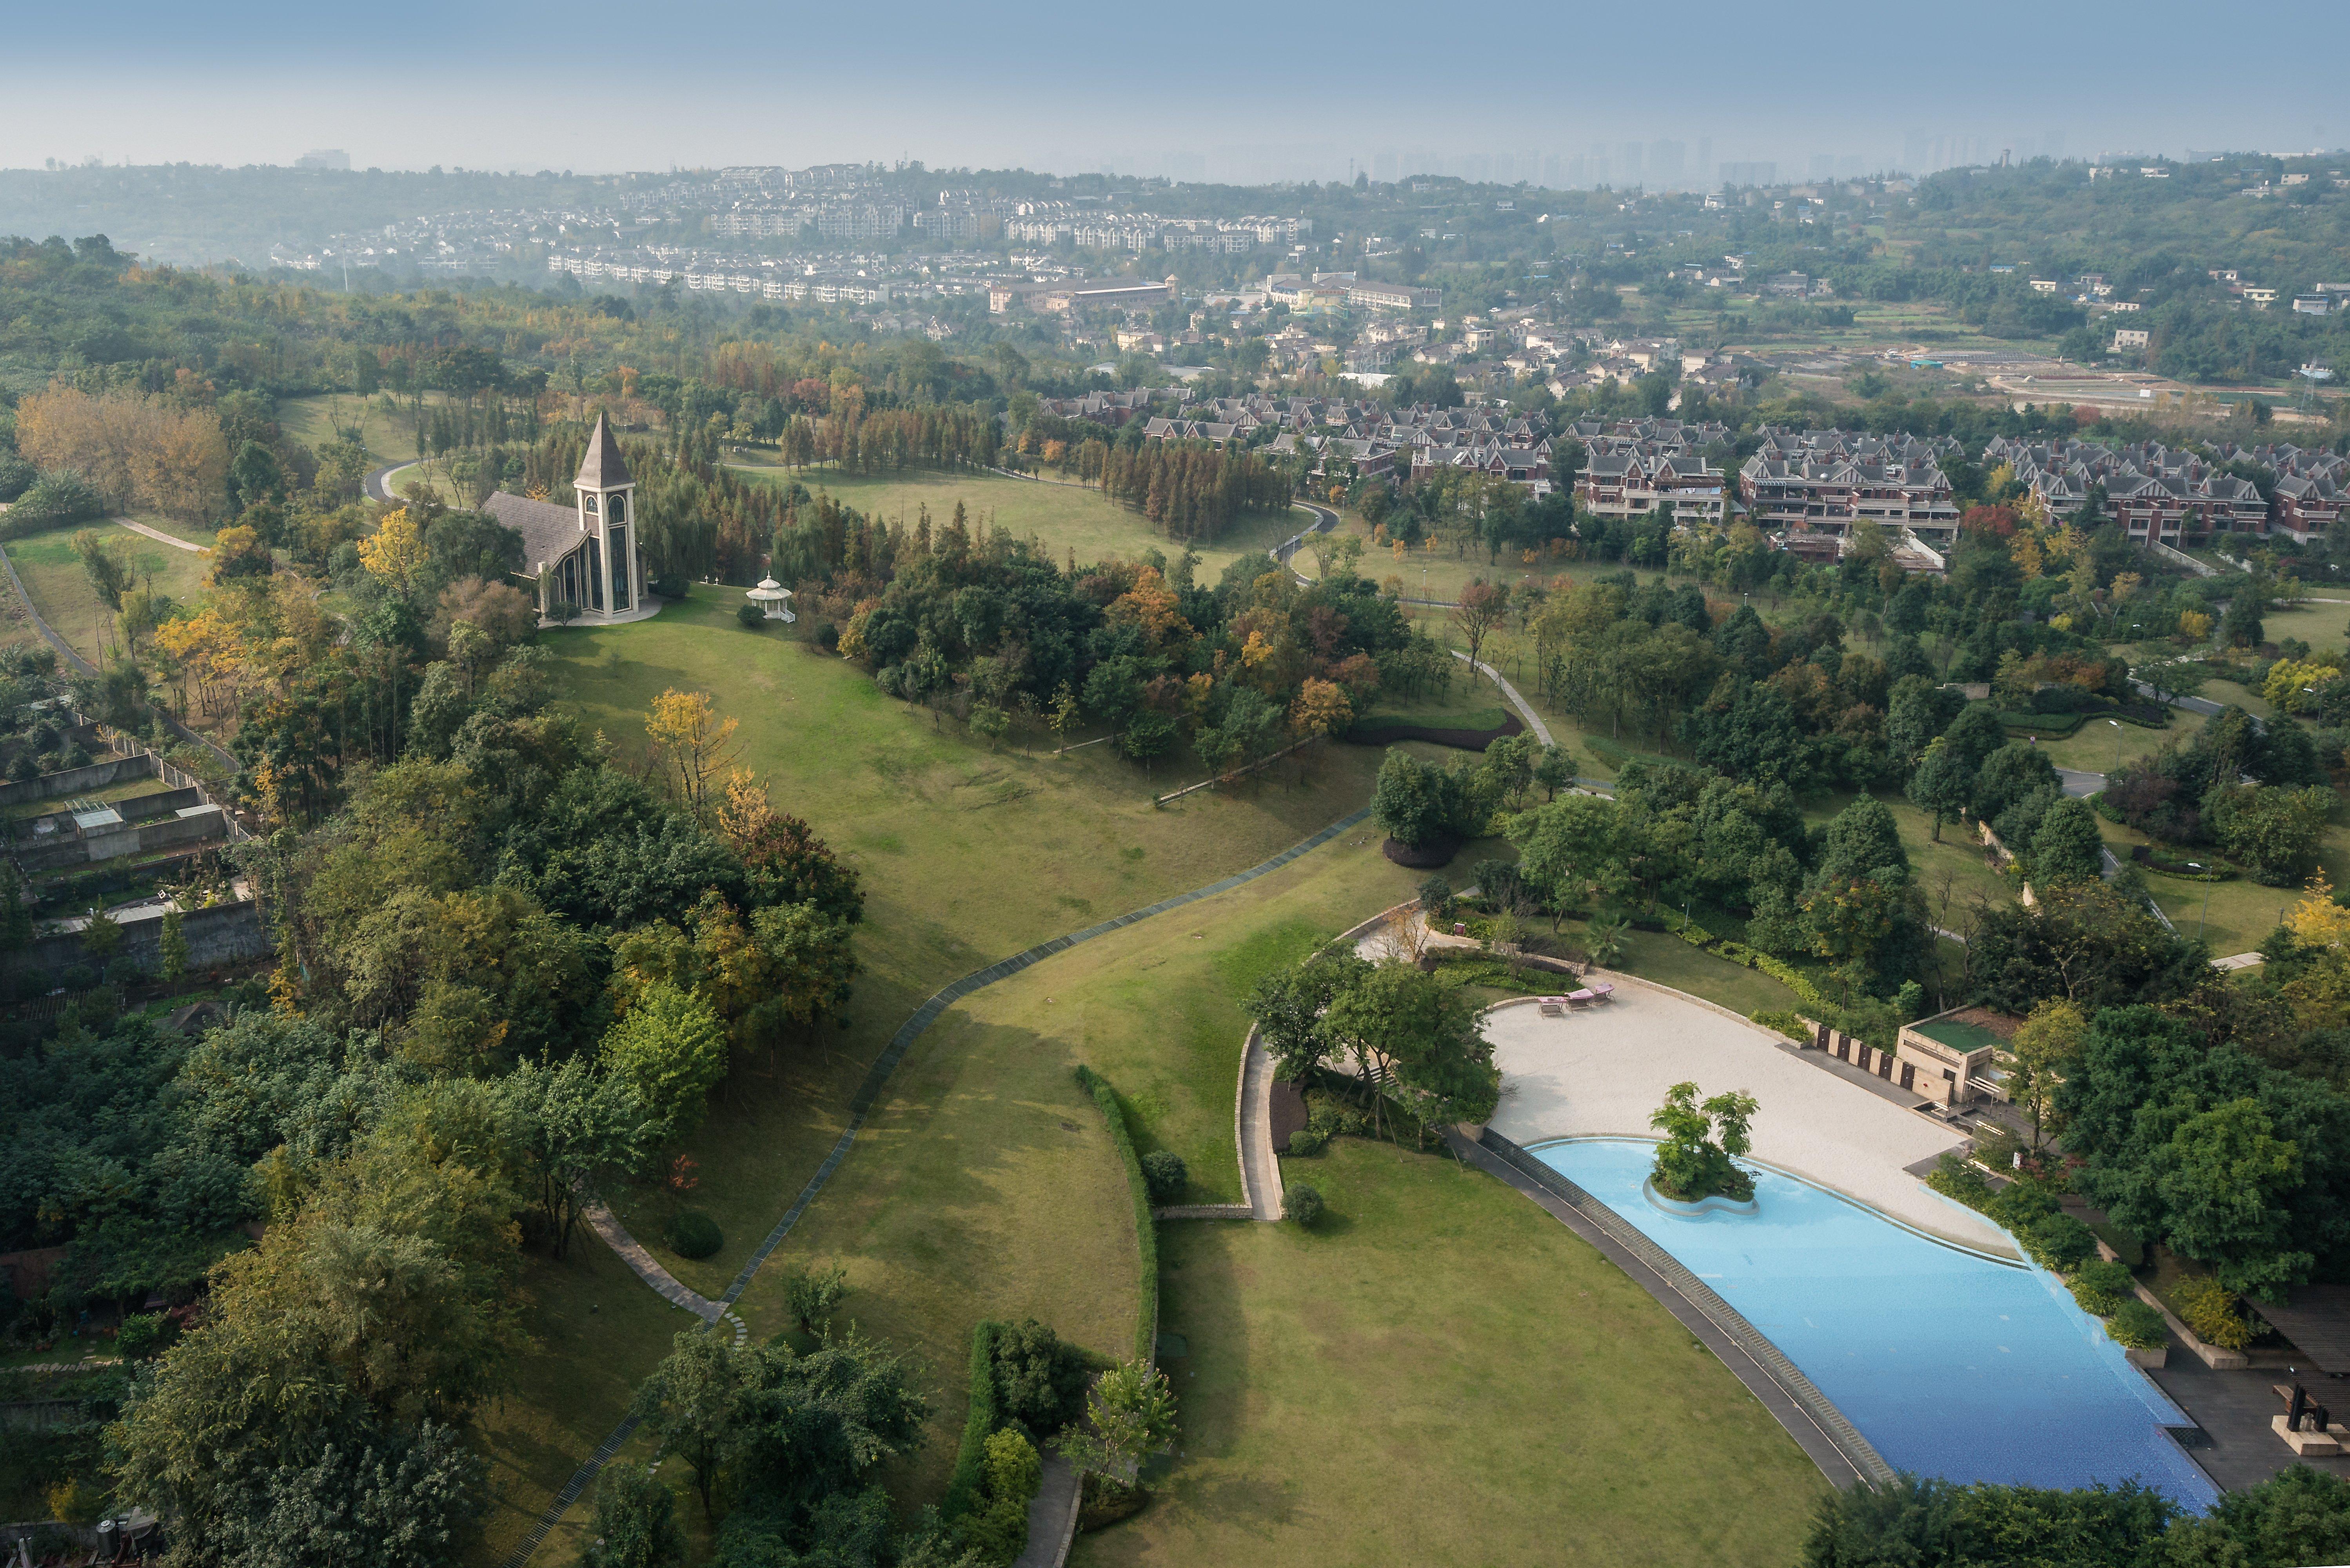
{"points": [[1209, 90]]}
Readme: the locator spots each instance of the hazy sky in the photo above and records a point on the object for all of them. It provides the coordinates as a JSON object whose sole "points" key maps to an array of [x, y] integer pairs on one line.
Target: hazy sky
{"points": [[1251, 91]]}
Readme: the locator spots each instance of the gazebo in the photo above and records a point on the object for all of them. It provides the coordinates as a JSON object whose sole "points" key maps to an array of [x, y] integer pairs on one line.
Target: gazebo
{"points": [[772, 596]]}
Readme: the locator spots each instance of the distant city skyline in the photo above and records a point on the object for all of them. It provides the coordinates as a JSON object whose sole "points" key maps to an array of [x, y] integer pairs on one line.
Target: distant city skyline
{"points": [[1225, 93]]}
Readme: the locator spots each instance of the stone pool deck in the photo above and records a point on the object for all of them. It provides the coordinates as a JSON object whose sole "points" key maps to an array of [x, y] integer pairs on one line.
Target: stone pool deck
{"points": [[1600, 1072]]}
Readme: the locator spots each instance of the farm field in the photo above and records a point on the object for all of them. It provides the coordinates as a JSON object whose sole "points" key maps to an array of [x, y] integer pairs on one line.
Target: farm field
{"points": [[1062, 516]]}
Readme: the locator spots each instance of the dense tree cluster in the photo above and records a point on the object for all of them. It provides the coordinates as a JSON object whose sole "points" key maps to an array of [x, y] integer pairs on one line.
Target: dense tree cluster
{"points": [[1191, 489]]}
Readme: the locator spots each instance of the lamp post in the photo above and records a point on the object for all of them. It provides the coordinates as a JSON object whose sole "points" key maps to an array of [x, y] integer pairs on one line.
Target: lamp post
{"points": [[2198, 870], [2116, 724]]}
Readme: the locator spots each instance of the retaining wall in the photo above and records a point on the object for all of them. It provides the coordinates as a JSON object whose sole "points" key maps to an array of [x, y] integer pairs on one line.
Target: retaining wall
{"points": [[191, 824], [73, 781], [222, 934]]}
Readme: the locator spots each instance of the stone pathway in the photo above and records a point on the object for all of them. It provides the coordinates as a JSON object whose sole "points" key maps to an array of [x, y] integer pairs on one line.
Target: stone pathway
{"points": [[859, 1107], [1053, 1517], [607, 1225], [1526, 708], [2238, 961], [162, 538], [1260, 1169]]}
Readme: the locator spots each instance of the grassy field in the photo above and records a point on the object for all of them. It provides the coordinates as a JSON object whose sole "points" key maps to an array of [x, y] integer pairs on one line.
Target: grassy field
{"points": [[2237, 915], [2099, 743], [983, 1183], [1063, 517], [1443, 1373], [968, 855], [61, 592], [312, 420]]}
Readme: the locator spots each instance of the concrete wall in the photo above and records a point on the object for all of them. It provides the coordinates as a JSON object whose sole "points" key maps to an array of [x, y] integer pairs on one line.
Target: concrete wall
{"points": [[140, 808], [73, 781], [222, 934], [113, 842]]}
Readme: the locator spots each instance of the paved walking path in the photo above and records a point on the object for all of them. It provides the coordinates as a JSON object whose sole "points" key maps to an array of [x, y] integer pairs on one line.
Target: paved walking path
{"points": [[1526, 708], [162, 538], [607, 1225], [867, 1095], [1260, 1166], [1052, 1517]]}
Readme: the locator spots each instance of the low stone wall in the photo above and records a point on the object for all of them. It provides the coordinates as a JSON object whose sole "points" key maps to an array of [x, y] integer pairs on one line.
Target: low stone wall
{"points": [[73, 781]]}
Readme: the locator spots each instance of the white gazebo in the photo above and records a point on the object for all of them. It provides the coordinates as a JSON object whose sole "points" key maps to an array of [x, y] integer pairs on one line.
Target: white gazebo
{"points": [[772, 596]]}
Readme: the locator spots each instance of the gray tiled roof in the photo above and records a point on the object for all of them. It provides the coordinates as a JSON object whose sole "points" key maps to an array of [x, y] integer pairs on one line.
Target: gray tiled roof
{"points": [[548, 532], [603, 467]]}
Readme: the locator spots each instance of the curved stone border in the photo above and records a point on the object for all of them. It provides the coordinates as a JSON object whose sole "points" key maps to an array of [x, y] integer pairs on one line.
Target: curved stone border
{"points": [[1713, 1204], [1821, 1429], [861, 1105]]}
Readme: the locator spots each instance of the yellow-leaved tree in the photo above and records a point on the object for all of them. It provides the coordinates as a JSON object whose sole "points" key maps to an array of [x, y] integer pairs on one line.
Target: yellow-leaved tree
{"points": [[692, 747], [395, 552]]}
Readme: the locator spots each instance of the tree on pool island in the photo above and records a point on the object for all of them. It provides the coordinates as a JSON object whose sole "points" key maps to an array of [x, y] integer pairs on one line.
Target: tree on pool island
{"points": [[1694, 1162]]}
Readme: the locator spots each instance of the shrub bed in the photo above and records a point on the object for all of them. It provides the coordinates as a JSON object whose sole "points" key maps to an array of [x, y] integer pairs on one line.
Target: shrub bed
{"points": [[693, 1234], [1146, 1229]]}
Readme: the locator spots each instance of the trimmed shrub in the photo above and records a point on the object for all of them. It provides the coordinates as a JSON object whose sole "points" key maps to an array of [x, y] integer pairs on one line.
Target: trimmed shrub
{"points": [[751, 615], [999, 1532], [1040, 1379], [1146, 1229], [1954, 1177], [1303, 1204], [2058, 1242], [142, 1334], [965, 1486], [2208, 1308], [2135, 1325], [670, 586], [1163, 1172], [2100, 1287], [694, 1234], [1306, 1141]]}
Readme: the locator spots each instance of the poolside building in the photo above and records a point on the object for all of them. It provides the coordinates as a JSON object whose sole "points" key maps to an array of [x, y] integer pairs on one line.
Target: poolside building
{"points": [[1952, 1057]]}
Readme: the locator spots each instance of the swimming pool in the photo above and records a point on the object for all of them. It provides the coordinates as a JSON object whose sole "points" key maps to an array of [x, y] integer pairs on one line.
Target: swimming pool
{"points": [[1950, 1365]]}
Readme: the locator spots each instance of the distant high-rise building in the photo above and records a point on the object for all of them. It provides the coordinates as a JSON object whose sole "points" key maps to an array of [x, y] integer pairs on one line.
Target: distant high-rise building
{"points": [[1664, 159], [324, 157], [1763, 173]]}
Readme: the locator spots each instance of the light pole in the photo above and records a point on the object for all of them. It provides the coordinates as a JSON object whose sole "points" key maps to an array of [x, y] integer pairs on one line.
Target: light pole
{"points": [[2116, 724], [2198, 870]]}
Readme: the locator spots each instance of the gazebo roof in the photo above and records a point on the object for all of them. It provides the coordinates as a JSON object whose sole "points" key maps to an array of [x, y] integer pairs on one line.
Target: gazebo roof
{"points": [[768, 591]]}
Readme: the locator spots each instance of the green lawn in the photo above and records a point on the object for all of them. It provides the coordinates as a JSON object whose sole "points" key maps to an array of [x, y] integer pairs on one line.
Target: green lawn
{"points": [[2235, 916], [1063, 517], [968, 855], [311, 421], [2318, 625], [61, 592], [1443, 1373], [2095, 745]]}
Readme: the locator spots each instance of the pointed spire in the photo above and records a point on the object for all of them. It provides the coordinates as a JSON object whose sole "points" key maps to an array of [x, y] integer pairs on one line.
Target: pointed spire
{"points": [[602, 468]]}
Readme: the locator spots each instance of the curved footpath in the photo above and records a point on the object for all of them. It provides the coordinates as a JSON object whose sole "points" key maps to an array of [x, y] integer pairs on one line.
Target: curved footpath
{"points": [[868, 1093]]}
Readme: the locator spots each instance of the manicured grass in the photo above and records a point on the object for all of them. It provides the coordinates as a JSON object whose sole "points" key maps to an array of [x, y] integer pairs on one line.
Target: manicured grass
{"points": [[967, 1196], [599, 1331], [61, 592], [2093, 746], [311, 422], [2240, 913], [1063, 516], [1443, 1373]]}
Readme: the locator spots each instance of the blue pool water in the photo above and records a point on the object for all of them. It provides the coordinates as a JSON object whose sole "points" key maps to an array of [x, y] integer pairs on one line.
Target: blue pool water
{"points": [[1950, 1364]]}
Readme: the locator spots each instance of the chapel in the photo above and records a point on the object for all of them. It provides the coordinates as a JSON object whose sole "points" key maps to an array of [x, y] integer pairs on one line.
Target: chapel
{"points": [[585, 554]]}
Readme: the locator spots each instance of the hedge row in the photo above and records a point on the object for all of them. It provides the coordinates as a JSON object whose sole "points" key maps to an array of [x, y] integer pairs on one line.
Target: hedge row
{"points": [[1785, 973], [1146, 1229], [965, 1488]]}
